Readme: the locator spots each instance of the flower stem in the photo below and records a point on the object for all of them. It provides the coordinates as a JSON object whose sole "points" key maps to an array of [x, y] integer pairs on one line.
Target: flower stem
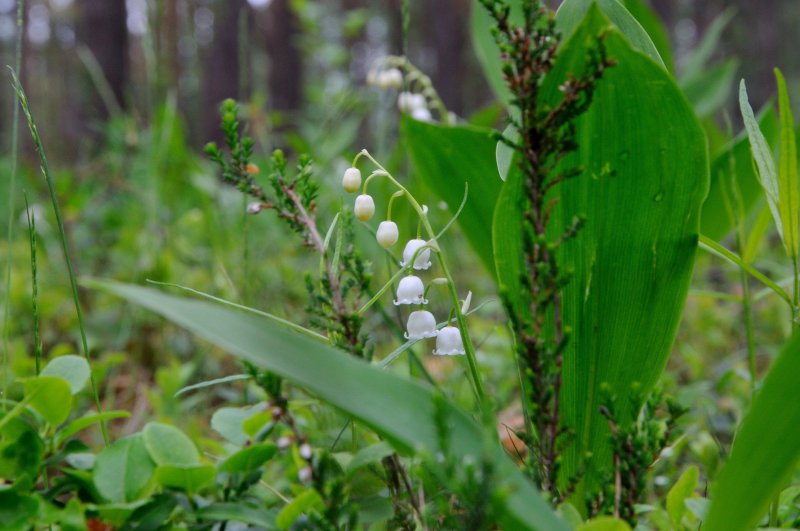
{"points": [[462, 322]]}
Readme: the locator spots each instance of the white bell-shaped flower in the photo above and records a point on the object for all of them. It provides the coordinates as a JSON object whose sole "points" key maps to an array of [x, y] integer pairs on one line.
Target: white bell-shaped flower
{"points": [[422, 114], [389, 79], [421, 324], [351, 180], [409, 102], [423, 260], [410, 291], [387, 234], [448, 342], [365, 207]]}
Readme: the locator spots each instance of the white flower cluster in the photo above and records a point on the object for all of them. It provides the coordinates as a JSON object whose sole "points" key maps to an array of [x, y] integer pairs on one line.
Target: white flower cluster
{"points": [[416, 256], [413, 103]]}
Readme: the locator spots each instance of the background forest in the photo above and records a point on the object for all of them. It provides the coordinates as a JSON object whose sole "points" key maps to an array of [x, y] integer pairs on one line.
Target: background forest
{"points": [[126, 96]]}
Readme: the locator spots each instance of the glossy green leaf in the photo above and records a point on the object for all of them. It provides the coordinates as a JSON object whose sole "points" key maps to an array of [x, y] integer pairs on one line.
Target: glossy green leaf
{"points": [[168, 445], [571, 14], [189, 478], [766, 450], [123, 470], [568, 17], [446, 157], [50, 396], [248, 458], [644, 14], [645, 176], [74, 369], [735, 161], [400, 410], [679, 493], [788, 183], [767, 173]]}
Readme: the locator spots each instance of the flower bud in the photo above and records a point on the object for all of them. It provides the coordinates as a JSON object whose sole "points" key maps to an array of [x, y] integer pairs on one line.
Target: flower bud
{"points": [[305, 451], [387, 234], [423, 260], [365, 207], [254, 208], [448, 342], [305, 474], [404, 101], [421, 324], [422, 114], [389, 79], [252, 169], [351, 180], [410, 291]]}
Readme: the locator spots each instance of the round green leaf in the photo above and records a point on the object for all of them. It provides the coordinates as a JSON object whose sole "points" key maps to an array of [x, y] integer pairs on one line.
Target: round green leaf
{"points": [[248, 458], [50, 396], [168, 445], [123, 470], [74, 369], [190, 478]]}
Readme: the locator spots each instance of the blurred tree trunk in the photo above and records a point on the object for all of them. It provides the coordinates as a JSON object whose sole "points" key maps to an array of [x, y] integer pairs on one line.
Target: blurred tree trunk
{"points": [[102, 27], [221, 68], [449, 36], [282, 29]]}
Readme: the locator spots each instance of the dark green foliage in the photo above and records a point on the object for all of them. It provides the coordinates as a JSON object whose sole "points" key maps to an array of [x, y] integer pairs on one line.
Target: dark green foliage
{"points": [[545, 135]]}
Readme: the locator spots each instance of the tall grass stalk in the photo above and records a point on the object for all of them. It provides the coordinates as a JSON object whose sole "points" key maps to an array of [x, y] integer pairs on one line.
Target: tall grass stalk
{"points": [[37, 338], [11, 196], [23, 101]]}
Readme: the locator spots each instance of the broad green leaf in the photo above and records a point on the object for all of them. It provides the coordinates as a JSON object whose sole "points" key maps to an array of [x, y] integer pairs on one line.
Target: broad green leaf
{"points": [[735, 159], [74, 369], [227, 421], [190, 478], [168, 445], [446, 157], [788, 183], [765, 452], [680, 492], [21, 450], [84, 422], [644, 14], [50, 396], [645, 175], [400, 410], [762, 154], [248, 458], [122, 471], [17, 510], [709, 91], [309, 500], [571, 14]]}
